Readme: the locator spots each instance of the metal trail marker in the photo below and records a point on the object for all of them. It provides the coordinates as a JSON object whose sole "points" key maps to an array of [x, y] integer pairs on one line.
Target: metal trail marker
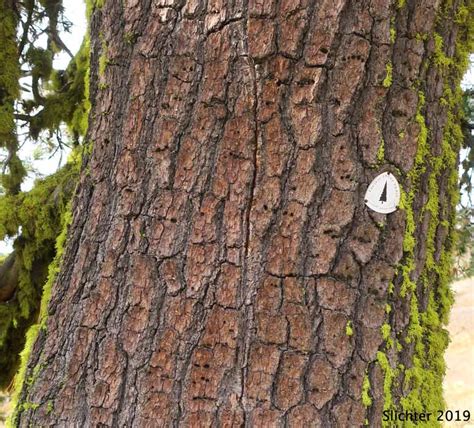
{"points": [[383, 194]]}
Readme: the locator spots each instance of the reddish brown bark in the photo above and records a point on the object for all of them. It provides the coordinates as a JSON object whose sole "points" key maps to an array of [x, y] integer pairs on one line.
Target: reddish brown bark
{"points": [[220, 242]]}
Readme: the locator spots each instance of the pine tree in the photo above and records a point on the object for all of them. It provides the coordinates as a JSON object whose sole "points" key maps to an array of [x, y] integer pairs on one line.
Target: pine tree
{"points": [[36, 100], [221, 267]]}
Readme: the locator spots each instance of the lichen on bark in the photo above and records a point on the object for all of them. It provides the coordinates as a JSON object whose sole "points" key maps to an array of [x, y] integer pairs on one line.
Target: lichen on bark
{"points": [[427, 289]]}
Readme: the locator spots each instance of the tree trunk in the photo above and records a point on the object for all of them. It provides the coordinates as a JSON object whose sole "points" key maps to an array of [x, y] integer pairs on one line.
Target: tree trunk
{"points": [[222, 268]]}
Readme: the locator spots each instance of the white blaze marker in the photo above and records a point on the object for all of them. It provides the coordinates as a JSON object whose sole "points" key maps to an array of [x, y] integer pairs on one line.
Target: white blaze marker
{"points": [[383, 194]]}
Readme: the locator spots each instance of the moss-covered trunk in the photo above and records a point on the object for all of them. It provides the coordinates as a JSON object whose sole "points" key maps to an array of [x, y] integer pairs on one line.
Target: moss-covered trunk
{"points": [[13, 171], [222, 268]]}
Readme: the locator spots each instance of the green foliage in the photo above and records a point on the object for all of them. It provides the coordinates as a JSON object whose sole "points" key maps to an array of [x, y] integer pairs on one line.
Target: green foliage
{"points": [[38, 213], [56, 96], [67, 101], [32, 334], [41, 62], [9, 91], [37, 219], [465, 242], [9, 69]]}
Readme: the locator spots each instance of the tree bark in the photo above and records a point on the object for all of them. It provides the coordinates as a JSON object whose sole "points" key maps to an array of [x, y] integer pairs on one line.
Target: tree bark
{"points": [[222, 268]]}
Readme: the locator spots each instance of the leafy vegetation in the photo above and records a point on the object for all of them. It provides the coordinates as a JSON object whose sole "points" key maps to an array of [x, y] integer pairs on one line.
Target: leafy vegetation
{"points": [[43, 104]]}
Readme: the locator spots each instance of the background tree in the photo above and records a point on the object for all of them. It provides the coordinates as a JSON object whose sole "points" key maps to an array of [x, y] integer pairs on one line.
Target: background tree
{"points": [[465, 224], [221, 265], [35, 102]]}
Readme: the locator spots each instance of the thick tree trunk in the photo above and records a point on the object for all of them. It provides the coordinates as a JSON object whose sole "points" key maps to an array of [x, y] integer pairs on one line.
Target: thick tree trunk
{"points": [[222, 268]]}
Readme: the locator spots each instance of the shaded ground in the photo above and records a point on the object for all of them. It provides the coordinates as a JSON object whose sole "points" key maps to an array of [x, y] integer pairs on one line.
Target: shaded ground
{"points": [[459, 381], [4, 408]]}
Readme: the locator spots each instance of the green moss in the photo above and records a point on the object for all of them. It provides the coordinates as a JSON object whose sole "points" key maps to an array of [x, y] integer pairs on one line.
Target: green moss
{"points": [[103, 59], [421, 37], [130, 38], [393, 33], [387, 82], [14, 172], [9, 69], [401, 4], [366, 399], [30, 340], [381, 152], [385, 330], [92, 4], [440, 59], [32, 334], [38, 213], [389, 376], [349, 328], [426, 339]]}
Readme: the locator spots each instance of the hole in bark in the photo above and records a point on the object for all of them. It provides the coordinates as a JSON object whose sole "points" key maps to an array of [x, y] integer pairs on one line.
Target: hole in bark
{"points": [[331, 233], [285, 212], [291, 214], [173, 220], [304, 82], [206, 366], [265, 207], [279, 83], [165, 106], [398, 113], [324, 50], [293, 188]]}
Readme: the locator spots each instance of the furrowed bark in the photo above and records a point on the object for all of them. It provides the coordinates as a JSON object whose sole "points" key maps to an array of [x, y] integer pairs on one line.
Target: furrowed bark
{"points": [[222, 268]]}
